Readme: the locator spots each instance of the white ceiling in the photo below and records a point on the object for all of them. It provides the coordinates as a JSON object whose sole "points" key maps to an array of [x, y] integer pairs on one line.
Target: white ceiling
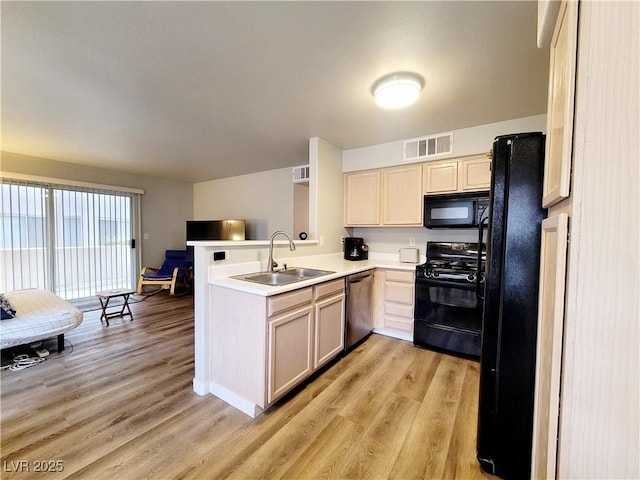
{"points": [[205, 90]]}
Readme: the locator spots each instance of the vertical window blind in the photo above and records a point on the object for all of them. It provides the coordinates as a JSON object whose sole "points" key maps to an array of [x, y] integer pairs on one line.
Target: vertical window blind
{"points": [[71, 240]]}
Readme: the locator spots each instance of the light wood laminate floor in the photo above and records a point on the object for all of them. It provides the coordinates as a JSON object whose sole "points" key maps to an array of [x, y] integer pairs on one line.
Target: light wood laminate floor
{"points": [[121, 405]]}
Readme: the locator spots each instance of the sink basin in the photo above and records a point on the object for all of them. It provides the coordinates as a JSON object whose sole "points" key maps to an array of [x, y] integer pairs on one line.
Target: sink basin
{"points": [[282, 277], [305, 272]]}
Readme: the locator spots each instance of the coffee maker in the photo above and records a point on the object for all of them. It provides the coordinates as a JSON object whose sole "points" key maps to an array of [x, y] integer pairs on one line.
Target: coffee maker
{"points": [[355, 249]]}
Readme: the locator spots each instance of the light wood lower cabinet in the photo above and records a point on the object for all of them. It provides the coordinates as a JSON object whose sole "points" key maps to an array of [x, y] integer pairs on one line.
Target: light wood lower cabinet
{"points": [[394, 301], [305, 331], [262, 347], [329, 329], [290, 351]]}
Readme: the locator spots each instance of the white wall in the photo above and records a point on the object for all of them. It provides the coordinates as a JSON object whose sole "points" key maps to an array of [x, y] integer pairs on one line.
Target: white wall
{"points": [[264, 200], [326, 195], [390, 240], [466, 141]]}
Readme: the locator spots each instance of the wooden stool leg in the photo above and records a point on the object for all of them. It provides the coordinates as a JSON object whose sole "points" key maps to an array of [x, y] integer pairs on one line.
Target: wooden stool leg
{"points": [[126, 304], [105, 304]]}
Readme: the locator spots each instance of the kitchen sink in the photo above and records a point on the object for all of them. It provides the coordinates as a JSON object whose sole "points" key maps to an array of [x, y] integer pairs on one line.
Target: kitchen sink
{"points": [[282, 277]]}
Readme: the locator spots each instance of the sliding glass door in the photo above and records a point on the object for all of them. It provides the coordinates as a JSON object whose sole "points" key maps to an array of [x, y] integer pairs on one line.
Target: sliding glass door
{"points": [[24, 251], [71, 241]]}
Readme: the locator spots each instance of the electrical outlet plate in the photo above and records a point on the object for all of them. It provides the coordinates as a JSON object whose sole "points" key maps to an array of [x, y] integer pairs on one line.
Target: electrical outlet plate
{"points": [[341, 240], [412, 241]]}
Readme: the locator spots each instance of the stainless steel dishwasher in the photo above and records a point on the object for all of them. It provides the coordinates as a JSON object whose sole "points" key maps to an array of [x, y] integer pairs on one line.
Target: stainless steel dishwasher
{"points": [[359, 318]]}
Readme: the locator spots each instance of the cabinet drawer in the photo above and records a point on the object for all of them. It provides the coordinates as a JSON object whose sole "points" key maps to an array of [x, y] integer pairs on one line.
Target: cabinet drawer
{"points": [[328, 288], [399, 292], [399, 310], [399, 323], [402, 276], [285, 301]]}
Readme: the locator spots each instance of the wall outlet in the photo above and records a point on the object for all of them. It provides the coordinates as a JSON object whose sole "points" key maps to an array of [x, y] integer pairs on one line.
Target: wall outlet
{"points": [[412, 241], [219, 255], [145, 236], [321, 240], [341, 240]]}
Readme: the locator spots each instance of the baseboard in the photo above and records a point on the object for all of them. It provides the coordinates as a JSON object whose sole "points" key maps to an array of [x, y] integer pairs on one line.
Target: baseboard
{"points": [[394, 333], [245, 406]]}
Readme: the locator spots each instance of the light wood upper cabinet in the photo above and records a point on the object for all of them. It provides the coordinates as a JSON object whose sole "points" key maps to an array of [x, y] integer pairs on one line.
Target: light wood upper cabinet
{"points": [[475, 173], [388, 196], [562, 70], [441, 177], [465, 174], [362, 198], [402, 195], [393, 196]]}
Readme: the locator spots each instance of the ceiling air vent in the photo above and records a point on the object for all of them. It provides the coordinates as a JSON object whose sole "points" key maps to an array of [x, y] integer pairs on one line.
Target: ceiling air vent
{"points": [[301, 174], [426, 147]]}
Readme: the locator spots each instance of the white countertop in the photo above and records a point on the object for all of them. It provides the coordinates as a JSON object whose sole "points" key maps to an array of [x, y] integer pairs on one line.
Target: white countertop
{"points": [[219, 275]]}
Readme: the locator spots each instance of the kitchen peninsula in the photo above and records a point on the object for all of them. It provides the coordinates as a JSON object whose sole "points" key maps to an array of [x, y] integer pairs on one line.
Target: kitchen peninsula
{"points": [[255, 342]]}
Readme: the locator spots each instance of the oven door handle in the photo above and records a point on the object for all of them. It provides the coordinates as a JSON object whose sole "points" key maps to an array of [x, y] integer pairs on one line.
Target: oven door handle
{"points": [[434, 282]]}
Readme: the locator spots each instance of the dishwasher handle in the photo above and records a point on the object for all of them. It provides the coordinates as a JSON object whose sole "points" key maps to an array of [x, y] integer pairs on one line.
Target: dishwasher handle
{"points": [[358, 277]]}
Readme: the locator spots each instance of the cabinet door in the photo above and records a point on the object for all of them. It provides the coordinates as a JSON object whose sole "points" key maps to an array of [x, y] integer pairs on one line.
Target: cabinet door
{"points": [[475, 173], [441, 177], [329, 329], [290, 351], [562, 70], [402, 195], [362, 198], [549, 345]]}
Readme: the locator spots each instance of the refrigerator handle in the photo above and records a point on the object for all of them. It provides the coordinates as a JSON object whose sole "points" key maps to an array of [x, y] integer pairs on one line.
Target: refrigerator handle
{"points": [[483, 216]]}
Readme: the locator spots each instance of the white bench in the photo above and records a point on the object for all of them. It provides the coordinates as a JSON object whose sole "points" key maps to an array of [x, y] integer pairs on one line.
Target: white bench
{"points": [[39, 315]]}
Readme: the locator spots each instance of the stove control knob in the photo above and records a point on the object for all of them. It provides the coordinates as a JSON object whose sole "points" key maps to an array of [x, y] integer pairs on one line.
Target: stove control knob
{"points": [[471, 277], [435, 274], [481, 278]]}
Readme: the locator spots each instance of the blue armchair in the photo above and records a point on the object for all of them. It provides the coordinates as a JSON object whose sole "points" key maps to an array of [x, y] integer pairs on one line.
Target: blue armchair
{"points": [[176, 269]]}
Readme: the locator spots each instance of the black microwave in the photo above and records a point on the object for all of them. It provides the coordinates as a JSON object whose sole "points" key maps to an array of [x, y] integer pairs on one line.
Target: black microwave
{"points": [[457, 210]]}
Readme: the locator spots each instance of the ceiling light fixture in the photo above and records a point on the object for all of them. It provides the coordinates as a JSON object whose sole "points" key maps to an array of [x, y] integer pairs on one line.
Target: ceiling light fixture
{"points": [[397, 90]]}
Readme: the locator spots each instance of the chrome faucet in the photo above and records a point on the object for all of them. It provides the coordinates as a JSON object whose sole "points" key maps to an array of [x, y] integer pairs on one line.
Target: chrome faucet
{"points": [[271, 264]]}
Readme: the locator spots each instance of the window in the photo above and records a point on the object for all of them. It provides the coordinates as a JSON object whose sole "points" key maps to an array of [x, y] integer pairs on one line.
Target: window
{"points": [[72, 241]]}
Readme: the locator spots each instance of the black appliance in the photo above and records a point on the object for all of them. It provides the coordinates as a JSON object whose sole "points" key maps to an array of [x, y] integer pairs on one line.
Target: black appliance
{"points": [[448, 304], [202, 230], [508, 356], [456, 210], [355, 249]]}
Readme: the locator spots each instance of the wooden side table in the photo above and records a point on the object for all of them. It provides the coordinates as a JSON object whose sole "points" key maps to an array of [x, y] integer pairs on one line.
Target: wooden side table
{"points": [[104, 298]]}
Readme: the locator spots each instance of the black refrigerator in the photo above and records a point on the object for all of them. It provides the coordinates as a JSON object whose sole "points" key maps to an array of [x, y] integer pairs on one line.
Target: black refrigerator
{"points": [[510, 315]]}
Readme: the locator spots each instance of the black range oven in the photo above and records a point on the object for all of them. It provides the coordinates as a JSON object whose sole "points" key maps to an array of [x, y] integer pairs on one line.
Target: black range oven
{"points": [[449, 298]]}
